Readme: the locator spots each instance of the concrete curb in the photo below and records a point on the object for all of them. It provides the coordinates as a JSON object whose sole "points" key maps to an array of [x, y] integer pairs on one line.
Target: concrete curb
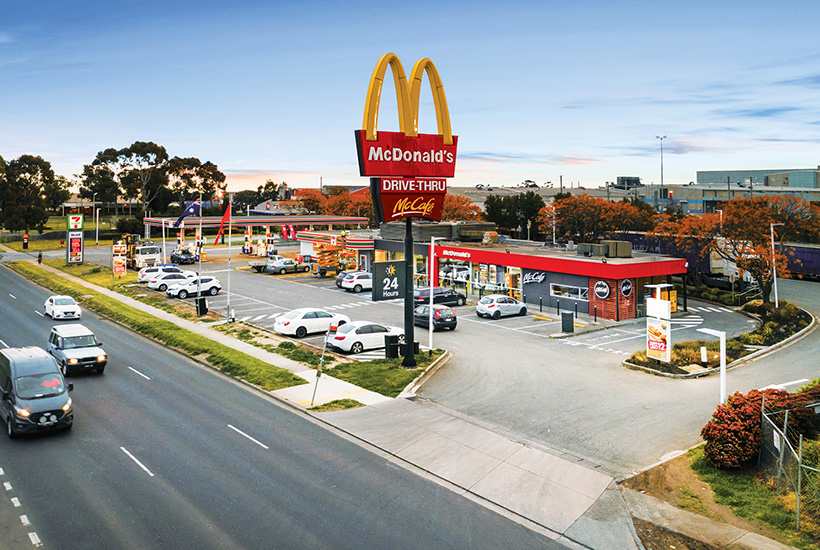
{"points": [[410, 390], [805, 331]]}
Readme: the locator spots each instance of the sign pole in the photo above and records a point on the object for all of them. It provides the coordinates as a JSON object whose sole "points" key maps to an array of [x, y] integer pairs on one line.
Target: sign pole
{"points": [[409, 360]]}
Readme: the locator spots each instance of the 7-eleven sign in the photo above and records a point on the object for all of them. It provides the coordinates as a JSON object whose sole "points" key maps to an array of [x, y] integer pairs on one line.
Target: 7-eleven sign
{"points": [[74, 221]]}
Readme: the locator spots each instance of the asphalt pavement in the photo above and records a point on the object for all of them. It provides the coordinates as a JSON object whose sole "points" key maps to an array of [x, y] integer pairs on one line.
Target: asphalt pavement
{"points": [[556, 493]]}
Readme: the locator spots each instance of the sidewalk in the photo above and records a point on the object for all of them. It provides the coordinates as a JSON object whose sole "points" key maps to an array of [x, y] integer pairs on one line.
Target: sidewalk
{"points": [[537, 487]]}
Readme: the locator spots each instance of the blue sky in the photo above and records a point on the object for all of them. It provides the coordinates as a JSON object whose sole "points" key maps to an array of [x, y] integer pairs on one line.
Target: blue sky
{"points": [[274, 90]]}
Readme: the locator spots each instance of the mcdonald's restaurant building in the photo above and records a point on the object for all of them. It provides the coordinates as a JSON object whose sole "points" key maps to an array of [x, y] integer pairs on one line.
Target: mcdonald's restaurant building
{"points": [[587, 280]]}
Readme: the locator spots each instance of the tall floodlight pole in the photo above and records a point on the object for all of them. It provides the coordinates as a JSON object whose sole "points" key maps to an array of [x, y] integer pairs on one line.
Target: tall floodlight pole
{"points": [[661, 138], [774, 265], [409, 360], [199, 245], [230, 225], [430, 280]]}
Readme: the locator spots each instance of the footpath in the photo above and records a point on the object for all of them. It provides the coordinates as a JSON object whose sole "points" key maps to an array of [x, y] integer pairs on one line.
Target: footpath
{"points": [[542, 489]]}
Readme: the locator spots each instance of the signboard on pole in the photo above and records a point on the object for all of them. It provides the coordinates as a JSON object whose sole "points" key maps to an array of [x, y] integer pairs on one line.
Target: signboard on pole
{"points": [[74, 247], [658, 339], [388, 280]]}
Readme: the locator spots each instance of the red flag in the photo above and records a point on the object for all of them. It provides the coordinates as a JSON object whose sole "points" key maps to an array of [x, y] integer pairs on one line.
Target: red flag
{"points": [[225, 218]]}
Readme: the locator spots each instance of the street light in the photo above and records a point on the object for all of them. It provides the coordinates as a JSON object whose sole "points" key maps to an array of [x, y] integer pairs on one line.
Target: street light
{"points": [[96, 218], [661, 138], [722, 336], [774, 264], [430, 286]]}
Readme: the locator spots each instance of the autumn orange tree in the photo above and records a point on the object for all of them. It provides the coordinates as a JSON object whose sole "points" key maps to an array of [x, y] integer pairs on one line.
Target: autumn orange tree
{"points": [[742, 235], [585, 219], [459, 207]]}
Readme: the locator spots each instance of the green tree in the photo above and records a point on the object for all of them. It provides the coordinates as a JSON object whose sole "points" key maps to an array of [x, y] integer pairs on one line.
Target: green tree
{"points": [[21, 193], [268, 192], [101, 181], [57, 193], [244, 199]]}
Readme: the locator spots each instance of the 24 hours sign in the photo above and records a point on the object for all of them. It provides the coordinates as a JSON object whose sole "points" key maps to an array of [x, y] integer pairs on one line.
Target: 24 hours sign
{"points": [[388, 280]]}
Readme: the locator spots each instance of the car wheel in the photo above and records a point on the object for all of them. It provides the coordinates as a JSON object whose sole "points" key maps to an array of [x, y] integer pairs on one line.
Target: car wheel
{"points": [[163, 288], [453, 327], [496, 315], [357, 288], [339, 285], [282, 271], [301, 332], [357, 348], [307, 268], [10, 429], [341, 322], [183, 294], [523, 311], [214, 291], [65, 371], [100, 370], [478, 314], [460, 301]]}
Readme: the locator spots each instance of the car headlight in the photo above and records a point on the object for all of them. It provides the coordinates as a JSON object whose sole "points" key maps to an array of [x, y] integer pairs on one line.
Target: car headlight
{"points": [[101, 358], [22, 412], [73, 361], [67, 406]]}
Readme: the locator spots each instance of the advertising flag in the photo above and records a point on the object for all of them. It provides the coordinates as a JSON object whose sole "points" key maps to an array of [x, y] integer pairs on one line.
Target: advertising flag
{"points": [[226, 217], [193, 209]]}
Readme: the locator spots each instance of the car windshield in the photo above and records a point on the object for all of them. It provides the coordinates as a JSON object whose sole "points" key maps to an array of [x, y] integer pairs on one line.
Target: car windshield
{"points": [[344, 329], [38, 385], [85, 341], [290, 314], [486, 300], [64, 302]]}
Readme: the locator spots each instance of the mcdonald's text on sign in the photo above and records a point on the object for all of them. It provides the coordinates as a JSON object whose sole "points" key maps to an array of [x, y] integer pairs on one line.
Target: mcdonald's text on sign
{"points": [[394, 154]]}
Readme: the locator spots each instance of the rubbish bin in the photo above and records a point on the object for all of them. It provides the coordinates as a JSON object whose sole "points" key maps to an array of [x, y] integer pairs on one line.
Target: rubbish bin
{"points": [[567, 324], [415, 348], [391, 347], [201, 306]]}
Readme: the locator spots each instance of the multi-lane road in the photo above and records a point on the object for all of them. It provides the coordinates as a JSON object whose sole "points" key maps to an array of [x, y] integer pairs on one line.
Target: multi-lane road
{"points": [[165, 453]]}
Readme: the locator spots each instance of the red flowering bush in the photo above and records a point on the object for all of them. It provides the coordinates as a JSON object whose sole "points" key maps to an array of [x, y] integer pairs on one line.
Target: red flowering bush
{"points": [[733, 436]]}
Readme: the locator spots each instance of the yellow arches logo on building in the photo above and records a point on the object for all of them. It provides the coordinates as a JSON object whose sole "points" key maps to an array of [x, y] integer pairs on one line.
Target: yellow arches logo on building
{"points": [[407, 95]]}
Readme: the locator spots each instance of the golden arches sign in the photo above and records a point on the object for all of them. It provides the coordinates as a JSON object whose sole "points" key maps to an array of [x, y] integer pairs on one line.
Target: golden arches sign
{"points": [[407, 96]]}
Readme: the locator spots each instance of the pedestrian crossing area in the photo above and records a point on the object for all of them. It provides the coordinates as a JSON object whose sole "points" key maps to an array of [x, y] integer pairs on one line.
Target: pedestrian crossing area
{"points": [[687, 321], [338, 307], [713, 309]]}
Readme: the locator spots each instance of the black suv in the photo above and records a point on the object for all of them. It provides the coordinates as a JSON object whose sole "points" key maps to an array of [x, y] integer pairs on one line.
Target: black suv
{"points": [[441, 295]]}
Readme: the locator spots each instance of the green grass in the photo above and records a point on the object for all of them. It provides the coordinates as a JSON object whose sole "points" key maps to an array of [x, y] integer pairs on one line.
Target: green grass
{"points": [[384, 376], [226, 359], [337, 405], [748, 498], [692, 502], [36, 245]]}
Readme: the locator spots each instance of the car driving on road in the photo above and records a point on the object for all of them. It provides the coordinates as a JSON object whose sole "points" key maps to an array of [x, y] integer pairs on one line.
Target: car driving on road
{"points": [[76, 348], [357, 336], [306, 320], [498, 305], [209, 285], [61, 307]]}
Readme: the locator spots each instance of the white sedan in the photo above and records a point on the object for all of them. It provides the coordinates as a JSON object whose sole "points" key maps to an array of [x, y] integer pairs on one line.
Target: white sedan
{"points": [[162, 281], [306, 320], [357, 336], [62, 307]]}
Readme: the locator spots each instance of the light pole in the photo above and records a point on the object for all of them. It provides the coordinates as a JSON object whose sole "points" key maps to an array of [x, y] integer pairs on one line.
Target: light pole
{"points": [[661, 138], [96, 220], [722, 336], [774, 264], [430, 286]]}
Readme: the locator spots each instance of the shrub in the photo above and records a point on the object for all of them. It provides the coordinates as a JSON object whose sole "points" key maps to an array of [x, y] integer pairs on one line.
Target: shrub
{"points": [[733, 435]]}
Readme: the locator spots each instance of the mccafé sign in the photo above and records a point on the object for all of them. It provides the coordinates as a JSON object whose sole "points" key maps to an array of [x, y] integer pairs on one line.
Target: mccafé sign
{"points": [[406, 169]]}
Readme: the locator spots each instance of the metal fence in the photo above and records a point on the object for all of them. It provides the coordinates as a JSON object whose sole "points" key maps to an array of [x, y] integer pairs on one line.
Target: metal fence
{"points": [[781, 460]]}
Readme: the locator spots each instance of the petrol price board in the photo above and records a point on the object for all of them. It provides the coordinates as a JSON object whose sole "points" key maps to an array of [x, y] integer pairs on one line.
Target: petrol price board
{"points": [[388, 280]]}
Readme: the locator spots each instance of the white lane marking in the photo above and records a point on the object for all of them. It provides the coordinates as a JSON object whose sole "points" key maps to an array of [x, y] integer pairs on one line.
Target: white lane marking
{"points": [[35, 540], [691, 308], [240, 432], [24, 520], [140, 464], [726, 310], [794, 382], [13, 296], [16, 502], [7, 486], [5, 345], [40, 313], [138, 372], [2, 472]]}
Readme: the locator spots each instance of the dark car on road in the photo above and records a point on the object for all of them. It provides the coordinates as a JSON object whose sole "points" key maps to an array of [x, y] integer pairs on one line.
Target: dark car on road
{"points": [[441, 295], [443, 317], [183, 256]]}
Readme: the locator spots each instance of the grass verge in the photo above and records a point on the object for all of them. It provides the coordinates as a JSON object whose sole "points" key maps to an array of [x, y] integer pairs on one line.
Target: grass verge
{"points": [[746, 495], [384, 376], [228, 360], [337, 405]]}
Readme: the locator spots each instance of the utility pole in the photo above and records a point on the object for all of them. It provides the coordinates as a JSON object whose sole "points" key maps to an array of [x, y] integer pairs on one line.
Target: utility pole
{"points": [[561, 183]]}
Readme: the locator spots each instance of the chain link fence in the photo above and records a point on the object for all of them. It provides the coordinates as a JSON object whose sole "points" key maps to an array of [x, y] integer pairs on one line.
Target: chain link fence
{"points": [[781, 460]]}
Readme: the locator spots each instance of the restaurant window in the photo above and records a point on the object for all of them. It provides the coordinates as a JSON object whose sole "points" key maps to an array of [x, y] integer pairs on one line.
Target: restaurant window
{"points": [[571, 292]]}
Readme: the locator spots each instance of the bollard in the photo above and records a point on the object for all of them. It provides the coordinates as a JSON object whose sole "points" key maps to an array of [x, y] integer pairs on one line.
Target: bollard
{"points": [[540, 304], [596, 314], [558, 307], [576, 311]]}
